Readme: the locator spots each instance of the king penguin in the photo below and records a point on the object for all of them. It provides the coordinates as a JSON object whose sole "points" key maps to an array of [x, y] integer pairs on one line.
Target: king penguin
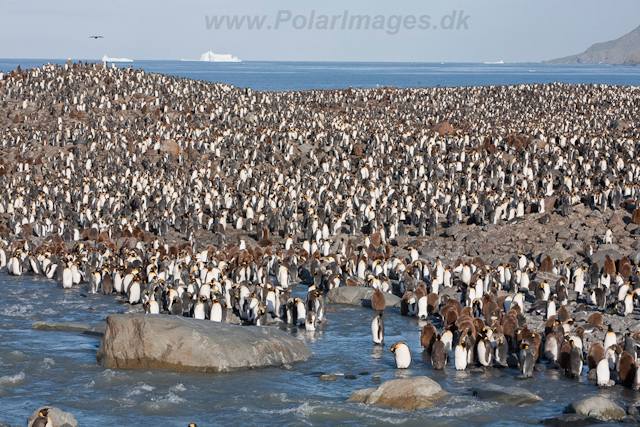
{"points": [[377, 329]]}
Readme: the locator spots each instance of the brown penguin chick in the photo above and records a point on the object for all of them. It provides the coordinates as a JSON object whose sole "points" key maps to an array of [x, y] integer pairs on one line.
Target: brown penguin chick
{"points": [[478, 323], [432, 302], [565, 354], [463, 318], [510, 326], [624, 268], [635, 216], [445, 309], [535, 341], [549, 324], [609, 266], [595, 355], [468, 325], [489, 308], [420, 291], [378, 301], [428, 337], [521, 333], [562, 314], [627, 369], [467, 311], [547, 264], [450, 318], [455, 304]]}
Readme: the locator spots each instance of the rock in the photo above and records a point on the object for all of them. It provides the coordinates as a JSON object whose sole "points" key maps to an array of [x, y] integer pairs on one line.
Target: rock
{"points": [[563, 234], [570, 420], [328, 377], [558, 252], [97, 330], [58, 417], [599, 256], [597, 407], [4, 424], [634, 257], [509, 395], [59, 326], [376, 378], [409, 394], [357, 295], [138, 341]]}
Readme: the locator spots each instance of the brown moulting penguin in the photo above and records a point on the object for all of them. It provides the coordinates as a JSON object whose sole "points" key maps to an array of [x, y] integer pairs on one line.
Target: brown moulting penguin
{"points": [[428, 337]]}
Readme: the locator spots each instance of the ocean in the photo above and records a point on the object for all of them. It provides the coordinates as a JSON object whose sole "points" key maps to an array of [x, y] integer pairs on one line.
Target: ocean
{"points": [[282, 76]]}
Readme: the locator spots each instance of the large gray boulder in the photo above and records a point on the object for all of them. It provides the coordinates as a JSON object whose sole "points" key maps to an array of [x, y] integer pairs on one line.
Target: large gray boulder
{"points": [[597, 407], [509, 395], [134, 341], [357, 295], [58, 417], [409, 394]]}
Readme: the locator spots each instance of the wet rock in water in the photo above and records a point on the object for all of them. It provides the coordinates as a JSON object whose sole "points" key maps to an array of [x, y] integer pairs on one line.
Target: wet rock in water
{"points": [[58, 417], [97, 330], [59, 326], [570, 420], [328, 377], [4, 424], [409, 394], [350, 377], [509, 395], [357, 295], [597, 407], [135, 341], [376, 378]]}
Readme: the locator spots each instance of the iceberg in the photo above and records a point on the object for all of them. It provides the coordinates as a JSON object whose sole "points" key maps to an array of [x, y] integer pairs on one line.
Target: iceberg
{"points": [[107, 59], [218, 57]]}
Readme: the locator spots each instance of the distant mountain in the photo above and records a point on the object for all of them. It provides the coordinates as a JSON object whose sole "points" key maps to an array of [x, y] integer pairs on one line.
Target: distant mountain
{"points": [[623, 51]]}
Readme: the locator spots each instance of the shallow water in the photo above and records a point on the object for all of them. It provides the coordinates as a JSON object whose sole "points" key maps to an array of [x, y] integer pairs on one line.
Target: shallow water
{"points": [[59, 368]]}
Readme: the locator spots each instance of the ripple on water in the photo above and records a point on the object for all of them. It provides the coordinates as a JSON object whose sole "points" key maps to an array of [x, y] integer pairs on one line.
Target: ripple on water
{"points": [[13, 380], [162, 406], [178, 389], [139, 389], [15, 356], [22, 311]]}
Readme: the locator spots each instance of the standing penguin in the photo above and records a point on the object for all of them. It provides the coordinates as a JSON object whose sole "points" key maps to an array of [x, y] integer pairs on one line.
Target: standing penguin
{"points": [[502, 351], [460, 356], [575, 360], [485, 352], [603, 374], [377, 329], [402, 354], [438, 354], [526, 361]]}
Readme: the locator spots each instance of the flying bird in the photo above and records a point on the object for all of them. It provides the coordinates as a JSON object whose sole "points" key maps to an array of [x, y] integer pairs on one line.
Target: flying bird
{"points": [[96, 37]]}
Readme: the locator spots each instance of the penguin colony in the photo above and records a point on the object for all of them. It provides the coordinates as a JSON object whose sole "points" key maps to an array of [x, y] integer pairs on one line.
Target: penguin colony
{"points": [[206, 200]]}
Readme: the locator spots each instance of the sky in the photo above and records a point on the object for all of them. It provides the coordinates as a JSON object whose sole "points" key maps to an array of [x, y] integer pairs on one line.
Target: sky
{"points": [[300, 30]]}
